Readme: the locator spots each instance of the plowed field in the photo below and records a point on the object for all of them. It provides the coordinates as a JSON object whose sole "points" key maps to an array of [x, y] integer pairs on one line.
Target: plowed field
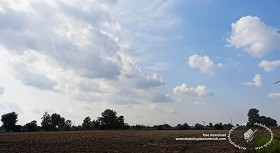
{"points": [[113, 141]]}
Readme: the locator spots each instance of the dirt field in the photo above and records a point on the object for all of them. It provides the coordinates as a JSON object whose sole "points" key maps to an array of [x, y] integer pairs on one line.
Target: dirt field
{"points": [[113, 141]]}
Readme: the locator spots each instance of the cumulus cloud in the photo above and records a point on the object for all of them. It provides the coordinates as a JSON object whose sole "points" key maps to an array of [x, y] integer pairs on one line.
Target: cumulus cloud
{"points": [[74, 48], [2, 90], [254, 36], [257, 81], [149, 81], [274, 95], [269, 66], [200, 90], [204, 63]]}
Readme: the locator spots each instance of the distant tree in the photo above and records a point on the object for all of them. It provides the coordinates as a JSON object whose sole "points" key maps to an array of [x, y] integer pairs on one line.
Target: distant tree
{"points": [[253, 117], [120, 122], [110, 120], [184, 126], [87, 123], [210, 125], [46, 123], [268, 121], [17, 128], [9, 121], [228, 126], [138, 127], [67, 126], [57, 121], [30, 127], [198, 126], [219, 126], [97, 123]]}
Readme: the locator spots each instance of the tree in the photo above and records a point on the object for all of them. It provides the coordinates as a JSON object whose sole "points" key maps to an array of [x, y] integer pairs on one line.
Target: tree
{"points": [[219, 126], [110, 120], [268, 121], [9, 121], [67, 126], [253, 117], [184, 126], [52, 123], [228, 126], [198, 126], [57, 121], [31, 126], [87, 124], [47, 122]]}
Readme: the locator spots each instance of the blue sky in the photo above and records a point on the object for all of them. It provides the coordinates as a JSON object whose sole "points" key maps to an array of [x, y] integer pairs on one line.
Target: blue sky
{"points": [[151, 61]]}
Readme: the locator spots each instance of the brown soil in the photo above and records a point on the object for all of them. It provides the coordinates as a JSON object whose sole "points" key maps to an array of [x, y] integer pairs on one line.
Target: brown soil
{"points": [[113, 141]]}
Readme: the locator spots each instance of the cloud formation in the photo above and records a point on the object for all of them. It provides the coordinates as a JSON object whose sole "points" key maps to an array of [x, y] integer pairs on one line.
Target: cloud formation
{"points": [[269, 66], [200, 90], [257, 81], [74, 48], [274, 95], [254, 36], [204, 63]]}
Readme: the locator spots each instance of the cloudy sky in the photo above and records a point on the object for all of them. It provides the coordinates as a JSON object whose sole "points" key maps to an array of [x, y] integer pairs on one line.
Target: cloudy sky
{"points": [[171, 61]]}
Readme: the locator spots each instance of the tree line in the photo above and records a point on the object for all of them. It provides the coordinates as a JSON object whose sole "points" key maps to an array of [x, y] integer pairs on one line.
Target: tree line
{"points": [[110, 120], [55, 122]]}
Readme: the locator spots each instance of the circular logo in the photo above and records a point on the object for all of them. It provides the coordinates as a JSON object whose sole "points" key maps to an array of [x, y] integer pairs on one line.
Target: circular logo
{"points": [[249, 135]]}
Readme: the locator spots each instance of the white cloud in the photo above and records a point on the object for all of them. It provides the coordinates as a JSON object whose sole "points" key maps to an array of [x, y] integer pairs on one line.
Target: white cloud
{"points": [[149, 81], [204, 63], [269, 66], [274, 95], [257, 81], [74, 48], [254, 36], [200, 90]]}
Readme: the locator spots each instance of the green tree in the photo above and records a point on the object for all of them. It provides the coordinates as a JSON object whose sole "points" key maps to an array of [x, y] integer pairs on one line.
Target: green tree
{"points": [[67, 126], [57, 121], [87, 124], [219, 126], [31, 126], [9, 121], [253, 117], [198, 126], [268, 121], [47, 122], [110, 120], [52, 122]]}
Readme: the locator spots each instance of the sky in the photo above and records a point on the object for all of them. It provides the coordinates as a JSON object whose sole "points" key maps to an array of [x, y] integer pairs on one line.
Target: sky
{"points": [[154, 62]]}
